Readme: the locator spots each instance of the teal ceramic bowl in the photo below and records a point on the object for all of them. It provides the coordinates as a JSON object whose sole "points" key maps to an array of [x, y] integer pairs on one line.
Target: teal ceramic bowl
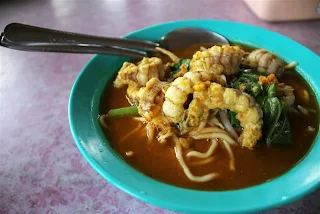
{"points": [[84, 109]]}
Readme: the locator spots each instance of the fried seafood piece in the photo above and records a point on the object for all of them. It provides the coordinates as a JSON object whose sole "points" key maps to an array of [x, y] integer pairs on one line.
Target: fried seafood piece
{"points": [[183, 71], [214, 96], [264, 61], [202, 76], [178, 92], [140, 74], [175, 97], [150, 99], [132, 94], [218, 59], [286, 94]]}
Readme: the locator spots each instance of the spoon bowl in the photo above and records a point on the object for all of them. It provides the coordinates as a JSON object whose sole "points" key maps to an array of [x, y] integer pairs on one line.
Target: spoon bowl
{"points": [[185, 37]]}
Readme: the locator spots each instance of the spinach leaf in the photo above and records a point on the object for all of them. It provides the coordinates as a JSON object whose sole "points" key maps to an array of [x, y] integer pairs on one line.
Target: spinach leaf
{"points": [[281, 133], [276, 125], [176, 67], [271, 113], [270, 90], [248, 83], [233, 119]]}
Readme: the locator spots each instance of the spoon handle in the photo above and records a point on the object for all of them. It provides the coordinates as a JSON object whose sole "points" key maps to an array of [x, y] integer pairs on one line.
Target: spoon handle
{"points": [[32, 35], [74, 49], [32, 38]]}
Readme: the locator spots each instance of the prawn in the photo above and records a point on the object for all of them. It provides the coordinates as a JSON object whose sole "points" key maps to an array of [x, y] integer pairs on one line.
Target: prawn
{"points": [[131, 74], [177, 94], [214, 96], [208, 65], [150, 99], [264, 61], [218, 59], [286, 94], [175, 97]]}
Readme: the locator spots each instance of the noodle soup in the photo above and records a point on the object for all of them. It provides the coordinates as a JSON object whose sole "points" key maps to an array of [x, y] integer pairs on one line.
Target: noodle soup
{"points": [[212, 145]]}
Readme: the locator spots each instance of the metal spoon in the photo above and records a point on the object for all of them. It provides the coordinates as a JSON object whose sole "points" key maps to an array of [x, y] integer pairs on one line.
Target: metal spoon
{"points": [[31, 38], [185, 37]]}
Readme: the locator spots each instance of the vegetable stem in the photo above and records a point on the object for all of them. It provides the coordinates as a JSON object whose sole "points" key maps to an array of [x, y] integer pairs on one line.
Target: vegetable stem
{"points": [[122, 112]]}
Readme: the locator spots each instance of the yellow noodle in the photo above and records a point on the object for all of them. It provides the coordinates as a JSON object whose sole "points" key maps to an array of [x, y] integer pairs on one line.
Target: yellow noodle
{"points": [[150, 132], [306, 96], [184, 143], [185, 130], [173, 57], [102, 122], [130, 133], [163, 138], [175, 139], [199, 128], [221, 136], [312, 110], [290, 65], [204, 178], [292, 109], [303, 110], [311, 129], [212, 148], [208, 130], [141, 119], [213, 130], [203, 48], [218, 123], [202, 125], [202, 162], [129, 153], [224, 78], [214, 121], [231, 155]]}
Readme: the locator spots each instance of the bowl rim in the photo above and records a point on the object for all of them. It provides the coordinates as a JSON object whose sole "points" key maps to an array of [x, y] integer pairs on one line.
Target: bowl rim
{"points": [[307, 184]]}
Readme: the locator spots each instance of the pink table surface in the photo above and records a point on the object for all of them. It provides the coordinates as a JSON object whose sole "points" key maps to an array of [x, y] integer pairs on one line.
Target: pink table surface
{"points": [[41, 169]]}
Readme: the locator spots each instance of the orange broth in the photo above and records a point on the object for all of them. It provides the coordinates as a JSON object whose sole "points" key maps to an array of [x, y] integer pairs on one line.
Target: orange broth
{"points": [[252, 167]]}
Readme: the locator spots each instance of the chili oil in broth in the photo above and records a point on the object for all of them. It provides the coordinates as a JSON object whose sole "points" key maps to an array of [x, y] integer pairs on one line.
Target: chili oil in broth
{"points": [[252, 167]]}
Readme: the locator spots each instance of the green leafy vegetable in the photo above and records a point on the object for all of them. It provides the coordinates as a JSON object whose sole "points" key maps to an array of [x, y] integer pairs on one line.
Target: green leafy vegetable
{"points": [[281, 133], [249, 83], [270, 90], [271, 113], [276, 128], [176, 67], [233, 119], [123, 112]]}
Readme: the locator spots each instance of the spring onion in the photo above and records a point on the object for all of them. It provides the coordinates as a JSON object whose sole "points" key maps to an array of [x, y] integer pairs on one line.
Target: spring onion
{"points": [[123, 112]]}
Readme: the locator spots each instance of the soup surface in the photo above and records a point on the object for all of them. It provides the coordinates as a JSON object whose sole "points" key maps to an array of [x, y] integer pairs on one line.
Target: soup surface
{"points": [[252, 166]]}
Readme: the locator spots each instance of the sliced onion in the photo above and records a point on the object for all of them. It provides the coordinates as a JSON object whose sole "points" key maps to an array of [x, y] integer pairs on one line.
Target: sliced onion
{"points": [[303, 110], [226, 123]]}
